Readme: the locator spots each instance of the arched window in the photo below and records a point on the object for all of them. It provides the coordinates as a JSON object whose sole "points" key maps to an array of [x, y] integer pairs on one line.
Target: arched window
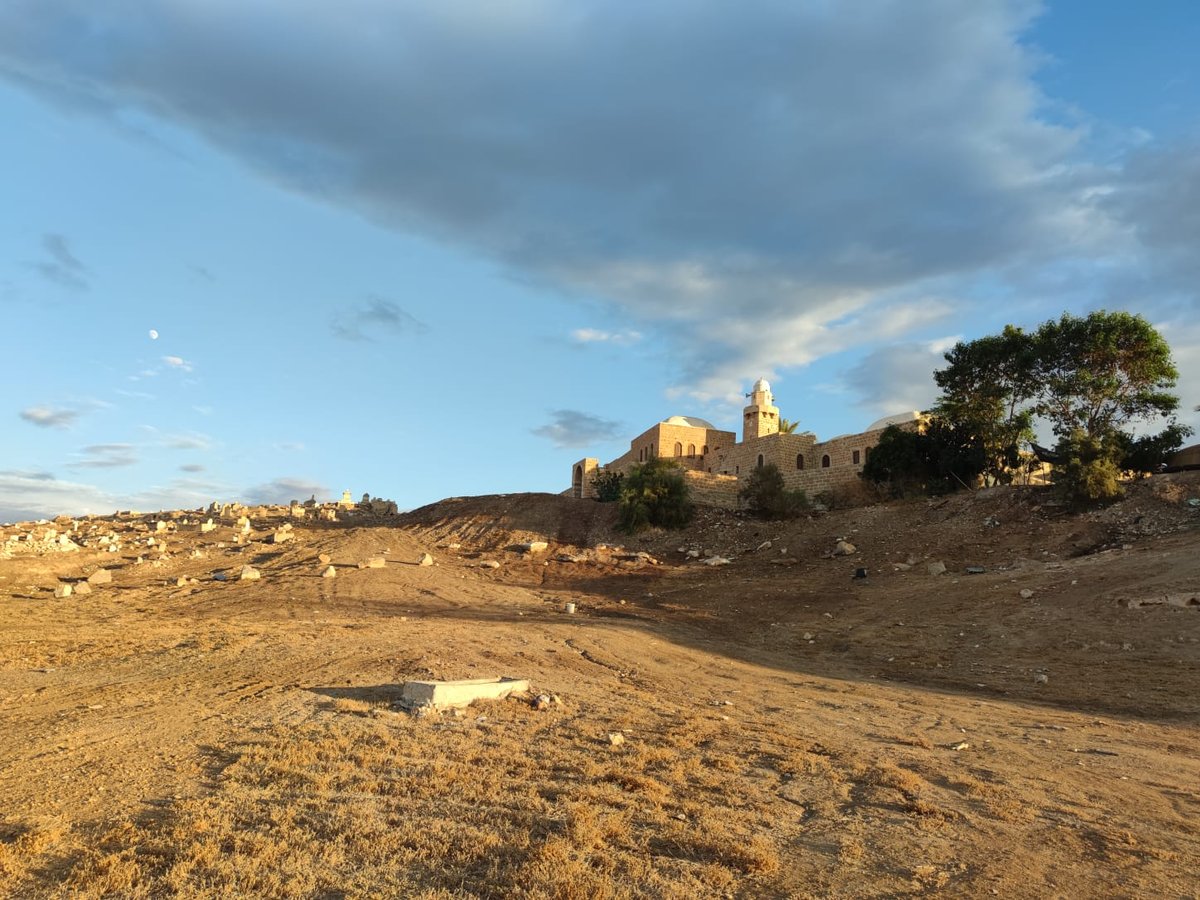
{"points": [[825, 461], [691, 451], [799, 460], [760, 460], [704, 451], [578, 481], [857, 457], [651, 453], [678, 449], [737, 470]]}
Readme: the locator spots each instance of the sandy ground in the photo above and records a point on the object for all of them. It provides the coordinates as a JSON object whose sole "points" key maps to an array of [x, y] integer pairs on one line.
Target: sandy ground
{"points": [[788, 730]]}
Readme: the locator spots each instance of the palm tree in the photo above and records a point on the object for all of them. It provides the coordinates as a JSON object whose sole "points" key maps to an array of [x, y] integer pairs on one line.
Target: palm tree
{"points": [[787, 426]]}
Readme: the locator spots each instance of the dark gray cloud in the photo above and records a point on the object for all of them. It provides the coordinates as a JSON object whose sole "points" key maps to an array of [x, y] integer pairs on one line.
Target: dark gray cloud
{"points": [[191, 467], [1158, 200], [377, 316], [727, 170], [572, 428], [60, 265], [50, 416], [284, 490], [897, 378], [106, 456]]}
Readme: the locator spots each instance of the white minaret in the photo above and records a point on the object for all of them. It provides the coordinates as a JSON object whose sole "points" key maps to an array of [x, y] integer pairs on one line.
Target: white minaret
{"points": [[761, 417]]}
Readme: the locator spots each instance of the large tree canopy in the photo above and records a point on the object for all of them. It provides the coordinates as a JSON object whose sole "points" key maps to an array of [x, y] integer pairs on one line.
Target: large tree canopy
{"points": [[1101, 373], [1095, 379]]}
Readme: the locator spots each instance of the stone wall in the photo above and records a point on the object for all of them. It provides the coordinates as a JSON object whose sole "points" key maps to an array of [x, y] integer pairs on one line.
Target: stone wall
{"points": [[713, 490]]}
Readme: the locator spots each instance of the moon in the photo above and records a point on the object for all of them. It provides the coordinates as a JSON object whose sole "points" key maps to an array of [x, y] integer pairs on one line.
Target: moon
{"points": [[153, 335]]}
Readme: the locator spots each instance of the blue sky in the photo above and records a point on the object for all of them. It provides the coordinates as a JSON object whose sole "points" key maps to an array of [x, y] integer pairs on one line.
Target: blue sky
{"points": [[425, 250]]}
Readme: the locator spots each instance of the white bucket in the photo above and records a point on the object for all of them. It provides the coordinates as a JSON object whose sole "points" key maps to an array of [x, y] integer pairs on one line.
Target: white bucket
{"points": [[569, 608]]}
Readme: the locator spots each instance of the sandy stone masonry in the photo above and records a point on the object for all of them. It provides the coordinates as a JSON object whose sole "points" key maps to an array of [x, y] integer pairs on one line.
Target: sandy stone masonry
{"points": [[716, 463]]}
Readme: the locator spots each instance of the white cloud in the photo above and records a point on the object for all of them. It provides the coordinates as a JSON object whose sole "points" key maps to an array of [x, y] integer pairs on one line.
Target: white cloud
{"points": [[39, 495], [106, 456], [192, 440], [284, 490], [177, 362], [49, 417], [596, 336]]}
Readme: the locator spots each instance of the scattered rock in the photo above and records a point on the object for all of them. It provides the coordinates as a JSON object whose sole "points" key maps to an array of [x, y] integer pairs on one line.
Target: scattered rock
{"points": [[83, 588], [542, 701], [844, 548], [765, 545], [1041, 678], [329, 572], [375, 562], [975, 570], [249, 573], [615, 738], [325, 558], [489, 564], [100, 576], [63, 590], [281, 535], [936, 568], [220, 576], [425, 560], [571, 558], [1026, 594], [533, 547], [717, 561]]}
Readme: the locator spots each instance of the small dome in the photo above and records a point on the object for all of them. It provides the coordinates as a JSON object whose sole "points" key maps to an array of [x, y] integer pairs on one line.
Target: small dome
{"points": [[689, 421], [761, 385], [898, 419]]}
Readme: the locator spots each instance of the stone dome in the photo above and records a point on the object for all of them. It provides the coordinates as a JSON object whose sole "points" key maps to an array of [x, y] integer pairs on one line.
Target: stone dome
{"points": [[689, 421], [761, 385], [897, 419]]}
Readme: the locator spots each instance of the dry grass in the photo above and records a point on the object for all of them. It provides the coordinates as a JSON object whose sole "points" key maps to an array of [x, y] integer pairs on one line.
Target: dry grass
{"points": [[521, 804]]}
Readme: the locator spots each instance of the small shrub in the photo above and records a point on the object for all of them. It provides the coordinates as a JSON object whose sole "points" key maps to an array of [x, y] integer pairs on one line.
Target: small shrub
{"points": [[1088, 470], [607, 483], [767, 496], [654, 493]]}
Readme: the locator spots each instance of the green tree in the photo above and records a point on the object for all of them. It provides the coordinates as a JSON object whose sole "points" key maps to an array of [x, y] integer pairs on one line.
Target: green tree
{"points": [[788, 426], [607, 483], [654, 493], [1146, 453], [987, 392], [1094, 378], [768, 497], [1102, 373], [942, 458]]}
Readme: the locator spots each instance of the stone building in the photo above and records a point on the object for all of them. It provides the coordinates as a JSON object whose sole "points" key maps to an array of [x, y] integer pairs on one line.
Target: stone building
{"points": [[715, 461]]}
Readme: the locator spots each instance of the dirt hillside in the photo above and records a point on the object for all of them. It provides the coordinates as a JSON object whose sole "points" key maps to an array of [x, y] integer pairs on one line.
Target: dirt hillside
{"points": [[1008, 703]]}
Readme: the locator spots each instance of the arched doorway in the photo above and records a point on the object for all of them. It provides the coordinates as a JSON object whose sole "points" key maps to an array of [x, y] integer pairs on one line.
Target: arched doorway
{"points": [[577, 482]]}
